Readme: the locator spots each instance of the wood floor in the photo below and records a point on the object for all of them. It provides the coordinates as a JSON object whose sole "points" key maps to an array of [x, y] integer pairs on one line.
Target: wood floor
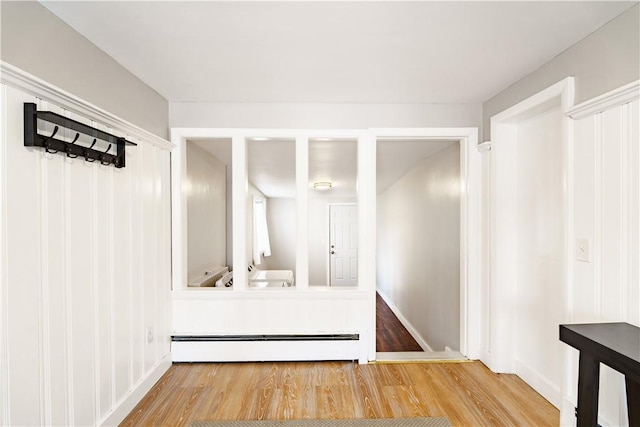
{"points": [[391, 335], [469, 394]]}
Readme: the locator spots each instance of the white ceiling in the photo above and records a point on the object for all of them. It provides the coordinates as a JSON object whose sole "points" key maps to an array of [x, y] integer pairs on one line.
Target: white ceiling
{"points": [[332, 51], [271, 164]]}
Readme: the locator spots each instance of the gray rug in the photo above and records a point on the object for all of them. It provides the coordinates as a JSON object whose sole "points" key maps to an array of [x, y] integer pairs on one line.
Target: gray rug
{"points": [[380, 422]]}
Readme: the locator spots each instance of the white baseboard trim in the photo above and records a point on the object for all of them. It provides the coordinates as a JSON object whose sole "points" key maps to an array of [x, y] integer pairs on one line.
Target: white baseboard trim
{"points": [[421, 341], [126, 405], [265, 351], [546, 388]]}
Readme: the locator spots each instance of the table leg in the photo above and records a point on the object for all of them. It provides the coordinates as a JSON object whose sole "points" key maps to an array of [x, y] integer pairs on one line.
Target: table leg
{"points": [[633, 402], [588, 383]]}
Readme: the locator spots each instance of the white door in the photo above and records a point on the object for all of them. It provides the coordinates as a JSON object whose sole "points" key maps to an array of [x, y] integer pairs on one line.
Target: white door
{"points": [[343, 245]]}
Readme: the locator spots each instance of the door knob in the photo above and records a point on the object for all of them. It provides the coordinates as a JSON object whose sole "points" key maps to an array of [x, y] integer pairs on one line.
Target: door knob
{"points": [[333, 252], [333, 246]]}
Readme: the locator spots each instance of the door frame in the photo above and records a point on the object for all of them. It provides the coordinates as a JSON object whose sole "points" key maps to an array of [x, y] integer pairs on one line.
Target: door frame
{"points": [[497, 349], [329, 233], [470, 225]]}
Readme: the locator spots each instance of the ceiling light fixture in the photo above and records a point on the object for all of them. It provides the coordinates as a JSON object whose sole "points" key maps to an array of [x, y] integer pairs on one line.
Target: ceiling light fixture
{"points": [[322, 185], [260, 138]]}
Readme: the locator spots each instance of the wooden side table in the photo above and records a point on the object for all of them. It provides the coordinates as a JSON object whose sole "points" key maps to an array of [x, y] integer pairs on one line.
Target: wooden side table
{"points": [[617, 345]]}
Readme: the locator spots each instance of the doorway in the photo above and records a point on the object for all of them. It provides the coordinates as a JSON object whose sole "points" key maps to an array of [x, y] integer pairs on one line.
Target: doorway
{"points": [[418, 240], [462, 151], [343, 244], [530, 238]]}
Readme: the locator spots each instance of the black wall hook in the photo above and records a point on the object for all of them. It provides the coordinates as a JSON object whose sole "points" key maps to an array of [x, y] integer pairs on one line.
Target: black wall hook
{"points": [[72, 149], [46, 142], [102, 162], [67, 149], [85, 153]]}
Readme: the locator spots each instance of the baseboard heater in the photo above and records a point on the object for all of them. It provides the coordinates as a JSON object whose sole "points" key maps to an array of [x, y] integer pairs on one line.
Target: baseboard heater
{"points": [[254, 348]]}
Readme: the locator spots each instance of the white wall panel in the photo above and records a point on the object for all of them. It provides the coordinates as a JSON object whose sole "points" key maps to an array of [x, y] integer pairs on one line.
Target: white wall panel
{"points": [[122, 294], [275, 311], [607, 196], [54, 281], [23, 269], [633, 299], [86, 273]]}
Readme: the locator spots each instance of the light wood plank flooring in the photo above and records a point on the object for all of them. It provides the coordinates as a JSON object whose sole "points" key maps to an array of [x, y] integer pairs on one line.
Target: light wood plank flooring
{"points": [[469, 394]]}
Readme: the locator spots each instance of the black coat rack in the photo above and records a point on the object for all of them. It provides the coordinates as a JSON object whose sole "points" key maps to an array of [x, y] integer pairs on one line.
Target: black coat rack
{"points": [[53, 145]]}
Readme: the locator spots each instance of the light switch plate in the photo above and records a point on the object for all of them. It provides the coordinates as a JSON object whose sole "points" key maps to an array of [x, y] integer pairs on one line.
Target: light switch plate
{"points": [[583, 250]]}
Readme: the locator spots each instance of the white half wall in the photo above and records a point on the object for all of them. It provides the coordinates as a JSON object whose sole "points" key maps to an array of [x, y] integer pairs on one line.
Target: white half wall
{"points": [[206, 190], [418, 254], [84, 271]]}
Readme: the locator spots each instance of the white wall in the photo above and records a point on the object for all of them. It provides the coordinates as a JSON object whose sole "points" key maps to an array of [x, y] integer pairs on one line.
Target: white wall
{"points": [[603, 61], [32, 39], [606, 211], [419, 248], [281, 221], [206, 211], [323, 116], [84, 274], [540, 277], [319, 238]]}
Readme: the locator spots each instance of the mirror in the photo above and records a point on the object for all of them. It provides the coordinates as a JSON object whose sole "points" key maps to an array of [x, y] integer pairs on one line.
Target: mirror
{"points": [[209, 220], [271, 212], [333, 212]]}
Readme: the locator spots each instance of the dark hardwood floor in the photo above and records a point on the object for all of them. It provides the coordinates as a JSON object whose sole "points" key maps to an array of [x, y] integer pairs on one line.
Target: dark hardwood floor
{"points": [[391, 335]]}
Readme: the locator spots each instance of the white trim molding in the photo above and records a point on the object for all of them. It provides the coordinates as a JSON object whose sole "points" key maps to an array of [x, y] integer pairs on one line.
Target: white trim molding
{"points": [[470, 225], [614, 98], [28, 83]]}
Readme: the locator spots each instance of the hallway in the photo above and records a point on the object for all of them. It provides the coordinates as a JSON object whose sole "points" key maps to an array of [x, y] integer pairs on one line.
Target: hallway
{"points": [[391, 335]]}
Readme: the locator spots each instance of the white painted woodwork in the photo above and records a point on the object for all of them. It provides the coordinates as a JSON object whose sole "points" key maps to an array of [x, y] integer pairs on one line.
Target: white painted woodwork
{"points": [[530, 231], [304, 309], [606, 212], [540, 254], [601, 197], [418, 247], [470, 223], [85, 268], [343, 245]]}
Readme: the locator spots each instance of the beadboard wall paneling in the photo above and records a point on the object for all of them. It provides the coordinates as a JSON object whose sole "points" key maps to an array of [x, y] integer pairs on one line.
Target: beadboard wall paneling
{"points": [[606, 213], [85, 279]]}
